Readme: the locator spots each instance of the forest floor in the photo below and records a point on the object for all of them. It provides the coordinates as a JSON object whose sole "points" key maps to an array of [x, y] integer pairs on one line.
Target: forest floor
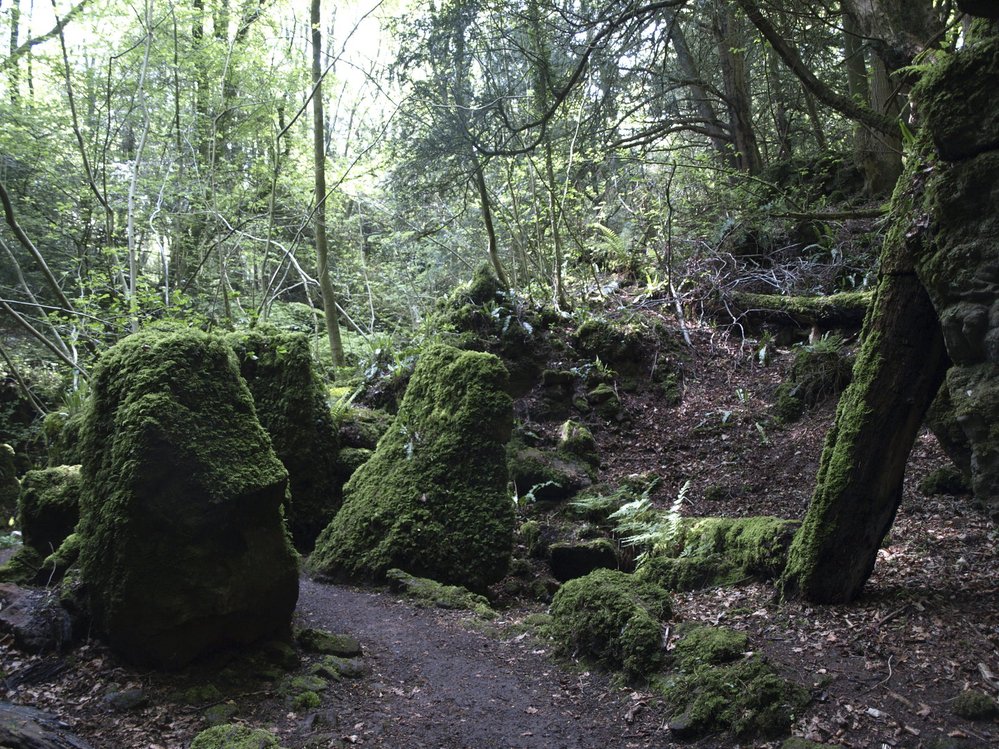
{"points": [[883, 671]]}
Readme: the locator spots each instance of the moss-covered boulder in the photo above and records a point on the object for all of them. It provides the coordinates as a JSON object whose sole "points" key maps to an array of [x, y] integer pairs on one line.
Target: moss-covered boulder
{"points": [[183, 547], [546, 476], [613, 618], [576, 440], [22, 568], [973, 704], [957, 188], [49, 507], [62, 437], [432, 500], [291, 406], [572, 559]]}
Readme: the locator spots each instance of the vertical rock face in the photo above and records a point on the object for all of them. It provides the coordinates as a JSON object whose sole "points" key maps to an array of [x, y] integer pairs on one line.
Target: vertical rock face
{"points": [[182, 544], [292, 408], [432, 500], [960, 266]]}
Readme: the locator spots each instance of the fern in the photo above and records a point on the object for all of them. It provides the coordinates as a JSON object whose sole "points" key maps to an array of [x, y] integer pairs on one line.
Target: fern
{"points": [[642, 525], [340, 406]]}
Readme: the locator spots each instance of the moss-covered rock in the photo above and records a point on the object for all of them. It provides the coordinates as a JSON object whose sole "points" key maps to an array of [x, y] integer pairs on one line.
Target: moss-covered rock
{"points": [[973, 704], [744, 699], [945, 480], [704, 645], [49, 506], [576, 440], [544, 475], [291, 405], [328, 643], [572, 559], [362, 427], [820, 371], [432, 500], [430, 592], [235, 736], [183, 546], [605, 401], [22, 568], [62, 437], [56, 564], [613, 618], [711, 551], [10, 487]]}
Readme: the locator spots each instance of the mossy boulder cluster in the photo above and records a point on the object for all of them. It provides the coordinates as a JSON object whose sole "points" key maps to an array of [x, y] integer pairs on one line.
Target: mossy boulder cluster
{"points": [[958, 188], [291, 406], [183, 547], [432, 499]]}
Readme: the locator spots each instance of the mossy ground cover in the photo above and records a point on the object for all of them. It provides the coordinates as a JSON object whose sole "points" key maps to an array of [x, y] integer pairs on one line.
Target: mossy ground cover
{"points": [[432, 500]]}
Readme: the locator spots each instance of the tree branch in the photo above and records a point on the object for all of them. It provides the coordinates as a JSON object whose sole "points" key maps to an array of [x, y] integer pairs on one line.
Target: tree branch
{"points": [[34, 41]]}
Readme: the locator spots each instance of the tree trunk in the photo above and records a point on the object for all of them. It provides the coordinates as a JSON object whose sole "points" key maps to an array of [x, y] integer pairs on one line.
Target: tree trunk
{"points": [[487, 219], [732, 45], [319, 153], [898, 372]]}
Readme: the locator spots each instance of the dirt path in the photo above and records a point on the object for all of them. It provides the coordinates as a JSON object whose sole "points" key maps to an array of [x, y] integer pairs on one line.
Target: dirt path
{"points": [[434, 683]]}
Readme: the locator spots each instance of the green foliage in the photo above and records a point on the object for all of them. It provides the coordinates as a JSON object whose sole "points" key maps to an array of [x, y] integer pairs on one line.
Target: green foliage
{"points": [[432, 593], [820, 370], [235, 736]]}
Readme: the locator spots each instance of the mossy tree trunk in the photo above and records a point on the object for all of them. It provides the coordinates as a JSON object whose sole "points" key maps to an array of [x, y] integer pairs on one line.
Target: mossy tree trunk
{"points": [[899, 369]]}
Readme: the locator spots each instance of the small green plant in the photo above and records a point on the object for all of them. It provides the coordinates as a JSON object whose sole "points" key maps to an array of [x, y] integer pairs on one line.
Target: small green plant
{"points": [[522, 501], [340, 405], [642, 525]]}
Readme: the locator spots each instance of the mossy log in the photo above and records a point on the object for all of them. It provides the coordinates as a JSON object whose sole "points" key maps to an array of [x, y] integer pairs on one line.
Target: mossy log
{"points": [[844, 310], [898, 371]]}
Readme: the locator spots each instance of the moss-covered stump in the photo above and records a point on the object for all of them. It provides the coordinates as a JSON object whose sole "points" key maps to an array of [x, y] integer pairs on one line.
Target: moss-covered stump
{"points": [[49, 507], [712, 551], [291, 406], [183, 547], [10, 487], [956, 261], [432, 500], [613, 618]]}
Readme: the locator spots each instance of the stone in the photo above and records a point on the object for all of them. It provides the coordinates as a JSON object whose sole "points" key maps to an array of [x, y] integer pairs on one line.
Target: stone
{"points": [[433, 499], [321, 641], [35, 619], [572, 559], [183, 548], [49, 507]]}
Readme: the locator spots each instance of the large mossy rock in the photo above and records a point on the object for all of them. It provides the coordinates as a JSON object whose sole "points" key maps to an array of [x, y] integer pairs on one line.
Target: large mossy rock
{"points": [[432, 500], [183, 547], [48, 507], [958, 186], [613, 618], [292, 408]]}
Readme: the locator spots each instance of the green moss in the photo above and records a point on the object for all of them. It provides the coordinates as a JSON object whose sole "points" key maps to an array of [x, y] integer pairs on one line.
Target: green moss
{"points": [[545, 476], [681, 574], [758, 545], [362, 427], [433, 498], [199, 694], [604, 399], [22, 568], [336, 668], [945, 480], [182, 495], [306, 701], [216, 715], [613, 618], [529, 534], [704, 645], [291, 405], [235, 736], [820, 371], [614, 344], [56, 564], [10, 487], [973, 704], [49, 506], [321, 641], [744, 699], [576, 440], [437, 594], [62, 437]]}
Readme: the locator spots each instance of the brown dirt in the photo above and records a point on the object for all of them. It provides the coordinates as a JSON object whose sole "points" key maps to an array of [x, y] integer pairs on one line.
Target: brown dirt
{"points": [[883, 670]]}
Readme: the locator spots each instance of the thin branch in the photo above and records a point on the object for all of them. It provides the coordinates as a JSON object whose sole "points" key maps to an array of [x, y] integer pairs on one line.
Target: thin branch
{"points": [[61, 24]]}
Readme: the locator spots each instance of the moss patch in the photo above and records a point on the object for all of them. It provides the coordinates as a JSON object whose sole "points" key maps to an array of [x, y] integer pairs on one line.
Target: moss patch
{"points": [[973, 704], [820, 371], [327, 643], [22, 568], [947, 480], [432, 500], [291, 405], [613, 618], [235, 736], [424, 590], [704, 645], [744, 699]]}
